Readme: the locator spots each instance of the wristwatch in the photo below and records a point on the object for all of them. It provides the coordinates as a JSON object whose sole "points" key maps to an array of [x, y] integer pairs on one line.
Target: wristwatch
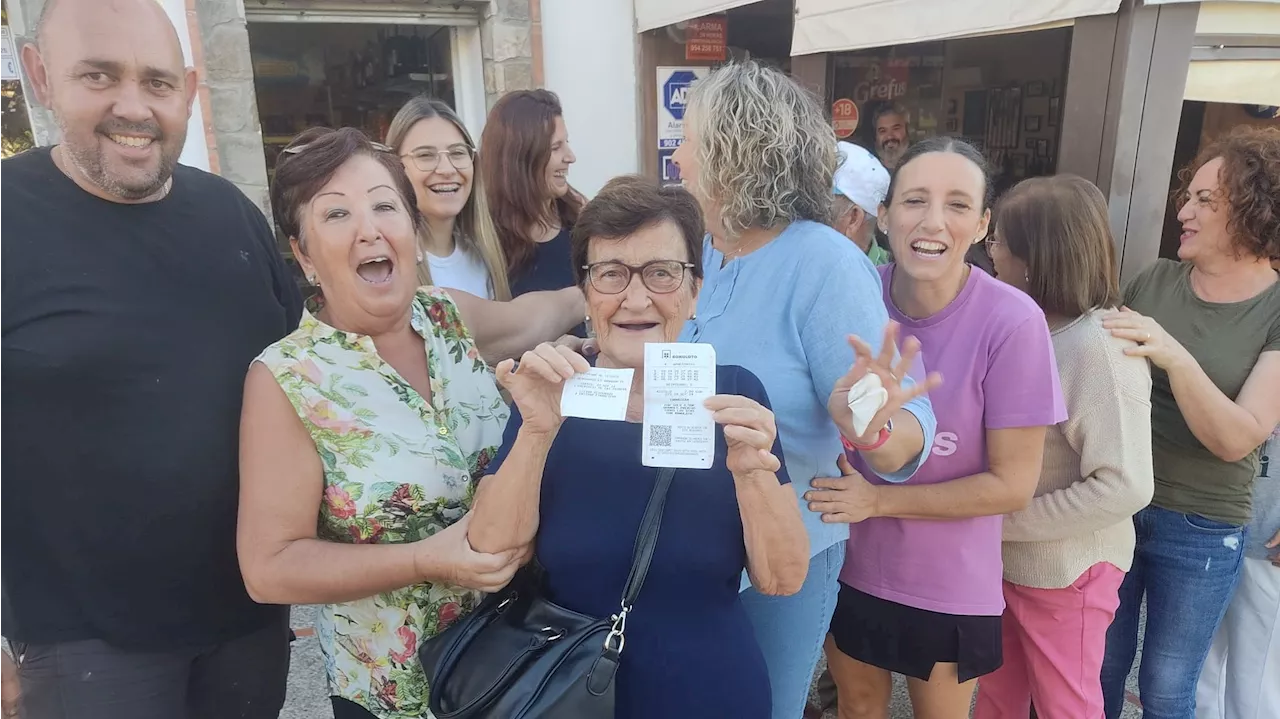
{"points": [[881, 438]]}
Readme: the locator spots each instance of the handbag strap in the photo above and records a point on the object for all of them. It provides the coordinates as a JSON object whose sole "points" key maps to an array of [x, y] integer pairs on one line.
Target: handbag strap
{"points": [[641, 557]]}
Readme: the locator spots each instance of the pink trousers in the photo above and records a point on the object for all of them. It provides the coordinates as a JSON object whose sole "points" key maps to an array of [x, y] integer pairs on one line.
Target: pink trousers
{"points": [[1053, 646]]}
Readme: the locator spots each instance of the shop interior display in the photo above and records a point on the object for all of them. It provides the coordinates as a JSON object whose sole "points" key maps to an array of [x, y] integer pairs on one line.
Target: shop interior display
{"points": [[342, 75]]}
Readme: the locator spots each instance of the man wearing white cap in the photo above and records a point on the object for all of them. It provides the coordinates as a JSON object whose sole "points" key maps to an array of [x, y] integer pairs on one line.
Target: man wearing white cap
{"points": [[860, 185]]}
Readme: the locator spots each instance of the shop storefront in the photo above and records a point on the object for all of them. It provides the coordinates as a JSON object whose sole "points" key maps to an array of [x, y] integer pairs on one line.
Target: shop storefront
{"points": [[331, 75], [338, 64], [1090, 87], [1001, 93]]}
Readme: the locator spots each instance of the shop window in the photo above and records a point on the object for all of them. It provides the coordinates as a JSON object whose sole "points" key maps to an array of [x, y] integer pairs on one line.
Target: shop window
{"points": [[1001, 93], [349, 75]]}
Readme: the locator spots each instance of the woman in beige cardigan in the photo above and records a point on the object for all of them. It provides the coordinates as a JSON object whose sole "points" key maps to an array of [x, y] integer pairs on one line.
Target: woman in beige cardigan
{"points": [[1066, 554]]}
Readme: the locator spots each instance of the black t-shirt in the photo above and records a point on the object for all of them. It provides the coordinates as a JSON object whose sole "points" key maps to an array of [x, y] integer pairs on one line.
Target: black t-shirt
{"points": [[550, 269], [127, 333]]}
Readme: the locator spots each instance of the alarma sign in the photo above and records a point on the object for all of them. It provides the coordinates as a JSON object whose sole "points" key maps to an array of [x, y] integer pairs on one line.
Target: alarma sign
{"points": [[674, 84]]}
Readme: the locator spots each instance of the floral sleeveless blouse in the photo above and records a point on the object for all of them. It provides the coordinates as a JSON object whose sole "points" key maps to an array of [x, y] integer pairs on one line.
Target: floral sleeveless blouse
{"points": [[396, 469]]}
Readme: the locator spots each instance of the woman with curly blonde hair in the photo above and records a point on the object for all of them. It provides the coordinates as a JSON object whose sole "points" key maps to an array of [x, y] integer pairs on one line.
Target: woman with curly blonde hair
{"points": [[781, 296], [1210, 326]]}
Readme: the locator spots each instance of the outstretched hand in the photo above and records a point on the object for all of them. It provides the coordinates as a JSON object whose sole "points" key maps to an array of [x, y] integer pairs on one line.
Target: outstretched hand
{"points": [[891, 375]]}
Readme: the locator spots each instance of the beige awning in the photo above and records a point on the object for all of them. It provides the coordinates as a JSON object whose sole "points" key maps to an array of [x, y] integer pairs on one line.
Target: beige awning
{"points": [[1247, 82], [1205, 2], [657, 13], [834, 25]]}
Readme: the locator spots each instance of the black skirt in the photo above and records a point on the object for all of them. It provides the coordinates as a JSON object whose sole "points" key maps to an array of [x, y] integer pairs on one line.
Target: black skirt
{"points": [[910, 641]]}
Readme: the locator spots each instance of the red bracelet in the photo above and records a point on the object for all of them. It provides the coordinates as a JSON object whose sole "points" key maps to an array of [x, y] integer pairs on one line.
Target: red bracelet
{"points": [[881, 438]]}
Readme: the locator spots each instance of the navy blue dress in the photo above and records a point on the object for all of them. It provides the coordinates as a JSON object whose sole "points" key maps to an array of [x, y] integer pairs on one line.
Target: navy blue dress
{"points": [[690, 649], [550, 269]]}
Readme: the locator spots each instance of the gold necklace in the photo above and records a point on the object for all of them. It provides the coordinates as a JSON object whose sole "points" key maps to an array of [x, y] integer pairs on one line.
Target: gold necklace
{"points": [[736, 252]]}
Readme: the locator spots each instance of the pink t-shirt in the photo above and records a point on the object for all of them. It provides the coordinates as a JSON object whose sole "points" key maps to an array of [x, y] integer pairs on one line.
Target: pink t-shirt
{"points": [[992, 346]]}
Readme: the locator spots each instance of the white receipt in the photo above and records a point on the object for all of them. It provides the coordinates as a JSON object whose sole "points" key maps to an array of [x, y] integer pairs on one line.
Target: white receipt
{"points": [[598, 393], [678, 429]]}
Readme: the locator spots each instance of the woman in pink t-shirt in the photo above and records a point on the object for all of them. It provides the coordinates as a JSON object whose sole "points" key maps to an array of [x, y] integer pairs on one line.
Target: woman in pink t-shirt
{"points": [[921, 587], [1066, 554]]}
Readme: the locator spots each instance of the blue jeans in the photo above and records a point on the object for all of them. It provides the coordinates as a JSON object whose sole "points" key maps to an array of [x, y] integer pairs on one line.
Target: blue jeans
{"points": [[1188, 567], [790, 630]]}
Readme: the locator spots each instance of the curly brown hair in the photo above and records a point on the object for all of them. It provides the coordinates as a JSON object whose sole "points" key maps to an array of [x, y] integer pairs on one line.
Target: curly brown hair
{"points": [[1250, 183]]}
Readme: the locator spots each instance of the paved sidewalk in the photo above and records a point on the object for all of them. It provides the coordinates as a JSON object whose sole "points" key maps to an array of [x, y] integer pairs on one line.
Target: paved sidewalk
{"points": [[307, 697]]}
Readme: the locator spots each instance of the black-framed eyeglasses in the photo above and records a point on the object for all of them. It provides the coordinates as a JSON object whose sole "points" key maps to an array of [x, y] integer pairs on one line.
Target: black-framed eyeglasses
{"points": [[428, 159], [660, 276]]}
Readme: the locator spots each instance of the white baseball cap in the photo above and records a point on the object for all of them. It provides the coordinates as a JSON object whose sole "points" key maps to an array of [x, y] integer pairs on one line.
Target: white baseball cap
{"points": [[860, 177]]}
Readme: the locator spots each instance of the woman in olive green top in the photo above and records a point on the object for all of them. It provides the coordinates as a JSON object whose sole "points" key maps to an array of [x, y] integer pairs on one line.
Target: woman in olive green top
{"points": [[1210, 326]]}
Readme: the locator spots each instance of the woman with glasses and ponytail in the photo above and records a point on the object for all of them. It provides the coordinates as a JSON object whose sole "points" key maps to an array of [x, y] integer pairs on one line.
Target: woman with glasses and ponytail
{"points": [[460, 245]]}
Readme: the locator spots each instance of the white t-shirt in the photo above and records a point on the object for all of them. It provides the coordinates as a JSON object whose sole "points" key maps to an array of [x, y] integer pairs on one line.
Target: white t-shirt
{"points": [[461, 270]]}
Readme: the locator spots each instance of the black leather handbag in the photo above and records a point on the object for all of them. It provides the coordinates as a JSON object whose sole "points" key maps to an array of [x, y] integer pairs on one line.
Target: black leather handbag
{"points": [[519, 656]]}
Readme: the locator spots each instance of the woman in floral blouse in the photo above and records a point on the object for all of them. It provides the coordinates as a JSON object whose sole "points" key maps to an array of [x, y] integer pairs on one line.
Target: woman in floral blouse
{"points": [[379, 412]]}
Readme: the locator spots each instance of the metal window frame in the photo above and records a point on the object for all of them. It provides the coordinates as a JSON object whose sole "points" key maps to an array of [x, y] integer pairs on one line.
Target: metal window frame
{"points": [[453, 14], [1236, 47]]}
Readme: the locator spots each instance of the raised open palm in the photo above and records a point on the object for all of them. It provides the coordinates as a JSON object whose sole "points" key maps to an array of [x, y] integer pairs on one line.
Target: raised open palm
{"points": [[891, 374]]}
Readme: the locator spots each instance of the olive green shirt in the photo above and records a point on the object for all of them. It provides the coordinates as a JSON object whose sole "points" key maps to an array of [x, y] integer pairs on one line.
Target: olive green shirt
{"points": [[1226, 340]]}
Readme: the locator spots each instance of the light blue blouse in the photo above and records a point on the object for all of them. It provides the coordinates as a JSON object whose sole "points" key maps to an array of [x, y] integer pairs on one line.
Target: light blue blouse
{"points": [[783, 312]]}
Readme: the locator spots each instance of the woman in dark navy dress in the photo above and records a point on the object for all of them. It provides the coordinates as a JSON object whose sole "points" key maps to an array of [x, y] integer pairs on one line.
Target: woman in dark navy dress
{"points": [[578, 490]]}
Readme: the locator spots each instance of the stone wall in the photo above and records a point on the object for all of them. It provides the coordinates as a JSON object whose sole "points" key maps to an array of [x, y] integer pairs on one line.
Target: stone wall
{"points": [[233, 105], [507, 42]]}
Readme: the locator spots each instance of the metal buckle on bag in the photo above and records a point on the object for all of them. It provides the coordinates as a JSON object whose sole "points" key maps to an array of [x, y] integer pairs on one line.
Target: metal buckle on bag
{"points": [[554, 634], [616, 638]]}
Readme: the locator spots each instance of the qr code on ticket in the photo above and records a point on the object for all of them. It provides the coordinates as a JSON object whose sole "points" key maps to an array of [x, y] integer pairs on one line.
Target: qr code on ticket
{"points": [[660, 435]]}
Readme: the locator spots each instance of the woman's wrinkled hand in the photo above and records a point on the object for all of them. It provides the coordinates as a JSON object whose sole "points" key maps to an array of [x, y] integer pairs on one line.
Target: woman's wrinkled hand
{"points": [[891, 375], [447, 557], [749, 432], [1154, 343], [843, 500], [536, 383]]}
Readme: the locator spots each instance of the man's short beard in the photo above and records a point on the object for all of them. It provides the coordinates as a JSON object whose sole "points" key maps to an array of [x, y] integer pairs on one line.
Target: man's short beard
{"points": [[891, 156], [90, 163]]}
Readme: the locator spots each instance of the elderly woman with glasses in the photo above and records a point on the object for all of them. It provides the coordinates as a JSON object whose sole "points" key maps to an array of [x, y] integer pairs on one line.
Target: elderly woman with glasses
{"points": [[377, 415], [578, 489]]}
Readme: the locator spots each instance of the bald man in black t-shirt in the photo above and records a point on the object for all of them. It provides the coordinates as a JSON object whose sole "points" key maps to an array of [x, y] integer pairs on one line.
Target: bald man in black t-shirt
{"points": [[136, 291]]}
